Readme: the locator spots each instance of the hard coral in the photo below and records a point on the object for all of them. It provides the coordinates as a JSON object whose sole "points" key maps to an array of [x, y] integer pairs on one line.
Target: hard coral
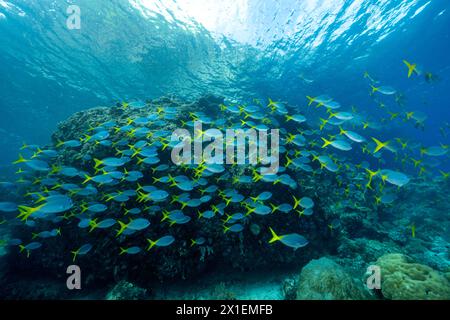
{"points": [[324, 279], [402, 279]]}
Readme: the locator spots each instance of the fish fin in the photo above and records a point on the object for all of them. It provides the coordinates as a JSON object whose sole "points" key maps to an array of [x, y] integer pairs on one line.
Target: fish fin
{"points": [[326, 143], [59, 143], [380, 145], [97, 163], [151, 244], [20, 160], [87, 179], [311, 100], [274, 207], [25, 212], [123, 226], [75, 253], [275, 237]]}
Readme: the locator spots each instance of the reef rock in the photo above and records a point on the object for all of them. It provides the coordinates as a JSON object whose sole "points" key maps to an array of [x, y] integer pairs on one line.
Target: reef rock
{"points": [[127, 291], [324, 279], [402, 279]]}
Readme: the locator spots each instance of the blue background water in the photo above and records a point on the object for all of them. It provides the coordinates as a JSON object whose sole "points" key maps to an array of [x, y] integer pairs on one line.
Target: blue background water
{"points": [[240, 49]]}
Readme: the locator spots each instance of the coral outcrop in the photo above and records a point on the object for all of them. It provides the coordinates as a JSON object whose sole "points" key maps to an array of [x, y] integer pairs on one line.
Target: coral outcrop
{"points": [[402, 279], [324, 279]]}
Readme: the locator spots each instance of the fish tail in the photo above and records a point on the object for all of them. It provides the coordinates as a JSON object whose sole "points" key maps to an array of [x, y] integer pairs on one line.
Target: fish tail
{"points": [[25, 212], [380, 145], [40, 198], [311, 100], [288, 161], [87, 179], [143, 197], [183, 204], [151, 244], [296, 202], [83, 207], [97, 163], [93, 227], [326, 143], [59, 143], [123, 226], [20, 160], [165, 216], [55, 168], [56, 186], [422, 151], [118, 152], [323, 123], [87, 137], [275, 237], [411, 67], [274, 207], [140, 160], [122, 251], [75, 253]]}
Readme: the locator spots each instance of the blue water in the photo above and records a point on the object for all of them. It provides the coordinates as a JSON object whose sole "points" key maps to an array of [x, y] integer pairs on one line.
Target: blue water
{"points": [[238, 49], [244, 50]]}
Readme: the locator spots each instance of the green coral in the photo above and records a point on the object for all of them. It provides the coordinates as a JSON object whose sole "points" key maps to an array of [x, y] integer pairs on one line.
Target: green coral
{"points": [[324, 279], [402, 279]]}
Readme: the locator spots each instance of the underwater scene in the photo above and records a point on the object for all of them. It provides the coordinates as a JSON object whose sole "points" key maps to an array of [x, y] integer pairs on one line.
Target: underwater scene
{"points": [[224, 150]]}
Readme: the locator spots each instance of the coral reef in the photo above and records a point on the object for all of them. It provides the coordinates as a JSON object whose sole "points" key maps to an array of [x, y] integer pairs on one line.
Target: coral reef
{"points": [[366, 231], [402, 279], [244, 251], [324, 279]]}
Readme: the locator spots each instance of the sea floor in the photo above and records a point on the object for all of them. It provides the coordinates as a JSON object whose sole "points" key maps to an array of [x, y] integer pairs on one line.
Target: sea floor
{"points": [[244, 286]]}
